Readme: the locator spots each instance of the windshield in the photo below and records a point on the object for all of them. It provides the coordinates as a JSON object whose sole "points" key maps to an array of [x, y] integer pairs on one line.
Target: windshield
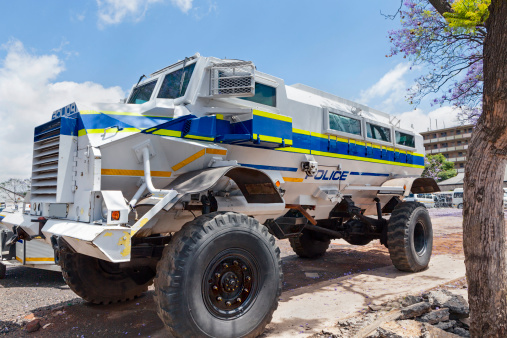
{"points": [[142, 93], [175, 84]]}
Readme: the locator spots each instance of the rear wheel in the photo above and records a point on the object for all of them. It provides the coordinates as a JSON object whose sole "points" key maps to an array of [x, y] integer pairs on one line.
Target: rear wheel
{"points": [[220, 276], [410, 237], [460, 206], [357, 227], [101, 282], [310, 244]]}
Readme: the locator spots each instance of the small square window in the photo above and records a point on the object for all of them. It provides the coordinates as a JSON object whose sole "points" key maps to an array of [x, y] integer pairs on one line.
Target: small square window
{"points": [[405, 139], [344, 124], [378, 132]]}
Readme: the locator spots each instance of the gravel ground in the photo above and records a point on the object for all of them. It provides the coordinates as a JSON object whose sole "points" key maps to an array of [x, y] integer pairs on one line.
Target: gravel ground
{"points": [[26, 292]]}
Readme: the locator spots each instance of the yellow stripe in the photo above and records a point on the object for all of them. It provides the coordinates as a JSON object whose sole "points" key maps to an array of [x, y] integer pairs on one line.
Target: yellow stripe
{"points": [[39, 259], [294, 150], [272, 116], [112, 130], [216, 151], [200, 137], [292, 179], [319, 135], [220, 116], [272, 139], [128, 172], [81, 132], [150, 130], [19, 259], [189, 160], [167, 132], [365, 159], [300, 131]]}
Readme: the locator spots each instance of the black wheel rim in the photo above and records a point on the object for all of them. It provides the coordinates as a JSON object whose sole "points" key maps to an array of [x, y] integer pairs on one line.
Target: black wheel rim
{"points": [[420, 240], [230, 284]]}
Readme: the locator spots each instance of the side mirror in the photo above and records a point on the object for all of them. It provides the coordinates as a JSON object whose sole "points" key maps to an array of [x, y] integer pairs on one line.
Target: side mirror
{"points": [[232, 79]]}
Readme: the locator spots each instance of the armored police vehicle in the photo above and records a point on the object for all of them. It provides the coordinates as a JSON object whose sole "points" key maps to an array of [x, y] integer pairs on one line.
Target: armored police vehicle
{"points": [[189, 180]]}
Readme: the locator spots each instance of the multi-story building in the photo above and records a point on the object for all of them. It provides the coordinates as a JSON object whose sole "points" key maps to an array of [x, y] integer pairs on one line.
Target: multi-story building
{"points": [[450, 142]]}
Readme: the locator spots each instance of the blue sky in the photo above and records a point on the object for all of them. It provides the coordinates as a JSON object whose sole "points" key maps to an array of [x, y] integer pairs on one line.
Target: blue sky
{"points": [[54, 52]]}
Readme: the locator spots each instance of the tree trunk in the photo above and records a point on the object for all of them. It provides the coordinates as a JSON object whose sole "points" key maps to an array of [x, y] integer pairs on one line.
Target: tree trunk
{"points": [[483, 221]]}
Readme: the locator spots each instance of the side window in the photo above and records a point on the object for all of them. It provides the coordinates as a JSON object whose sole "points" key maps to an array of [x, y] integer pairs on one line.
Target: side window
{"points": [[263, 94], [344, 124], [405, 139], [175, 84], [378, 132], [142, 93]]}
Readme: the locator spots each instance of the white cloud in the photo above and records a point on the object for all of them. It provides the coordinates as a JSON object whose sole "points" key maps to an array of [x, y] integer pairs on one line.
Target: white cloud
{"points": [[391, 88], [28, 96], [183, 5], [112, 12], [442, 117]]}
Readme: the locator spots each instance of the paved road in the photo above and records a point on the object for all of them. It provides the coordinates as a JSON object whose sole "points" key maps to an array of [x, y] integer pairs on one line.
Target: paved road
{"points": [[314, 291]]}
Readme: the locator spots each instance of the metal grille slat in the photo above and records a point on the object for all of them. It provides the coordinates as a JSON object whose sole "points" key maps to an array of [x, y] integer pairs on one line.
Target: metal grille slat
{"points": [[50, 159], [47, 152], [44, 183]]}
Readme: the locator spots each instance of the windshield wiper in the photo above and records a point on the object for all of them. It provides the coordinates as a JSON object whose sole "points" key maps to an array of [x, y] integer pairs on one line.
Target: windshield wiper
{"points": [[183, 73], [142, 76]]}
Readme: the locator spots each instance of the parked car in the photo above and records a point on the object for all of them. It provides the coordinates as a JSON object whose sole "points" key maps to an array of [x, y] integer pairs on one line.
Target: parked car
{"points": [[427, 199]]}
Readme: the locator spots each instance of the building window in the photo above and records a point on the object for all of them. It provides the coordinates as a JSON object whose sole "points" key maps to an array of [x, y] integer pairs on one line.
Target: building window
{"points": [[458, 132], [446, 155], [444, 134], [434, 135], [469, 130], [444, 145], [461, 165], [435, 146], [459, 143], [460, 154]]}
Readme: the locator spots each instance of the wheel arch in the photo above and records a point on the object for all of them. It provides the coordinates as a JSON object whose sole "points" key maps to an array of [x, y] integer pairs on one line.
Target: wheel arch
{"points": [[415, 185]]}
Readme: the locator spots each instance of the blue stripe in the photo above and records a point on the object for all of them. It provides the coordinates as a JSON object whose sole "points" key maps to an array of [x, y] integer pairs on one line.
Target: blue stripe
{"points": [[355, 173], [268, 167]]}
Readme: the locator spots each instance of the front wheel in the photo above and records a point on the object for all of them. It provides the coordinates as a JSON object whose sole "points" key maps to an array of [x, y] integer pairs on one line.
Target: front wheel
{"points": [[101, 282], [3, 271], [410, 237], [220, 276]]}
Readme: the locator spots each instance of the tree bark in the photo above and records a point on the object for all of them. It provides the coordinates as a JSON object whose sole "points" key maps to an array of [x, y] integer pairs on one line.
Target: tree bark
{"points": [[442, 6], [483, 221]]}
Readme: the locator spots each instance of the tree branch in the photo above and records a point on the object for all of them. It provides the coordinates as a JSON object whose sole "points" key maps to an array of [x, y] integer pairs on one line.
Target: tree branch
{"points": [[442, 6]]}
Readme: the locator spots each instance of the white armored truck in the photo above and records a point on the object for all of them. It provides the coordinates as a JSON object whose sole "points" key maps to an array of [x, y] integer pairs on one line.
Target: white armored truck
{"points": [[189, 180]]}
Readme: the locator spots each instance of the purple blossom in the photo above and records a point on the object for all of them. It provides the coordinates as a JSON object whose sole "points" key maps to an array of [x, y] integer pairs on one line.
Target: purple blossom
{"points": [[452, 58]]}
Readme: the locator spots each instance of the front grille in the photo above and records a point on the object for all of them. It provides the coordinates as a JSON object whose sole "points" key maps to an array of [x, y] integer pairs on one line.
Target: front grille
{"points": [[232, 79], [46, 152]]}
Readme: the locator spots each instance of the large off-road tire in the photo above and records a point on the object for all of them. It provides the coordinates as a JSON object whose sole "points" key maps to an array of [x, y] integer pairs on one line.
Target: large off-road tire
{"points": [[357, 226], [98, 281], [3, 271], [220, 276], [310, 244], [410, 237]]}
